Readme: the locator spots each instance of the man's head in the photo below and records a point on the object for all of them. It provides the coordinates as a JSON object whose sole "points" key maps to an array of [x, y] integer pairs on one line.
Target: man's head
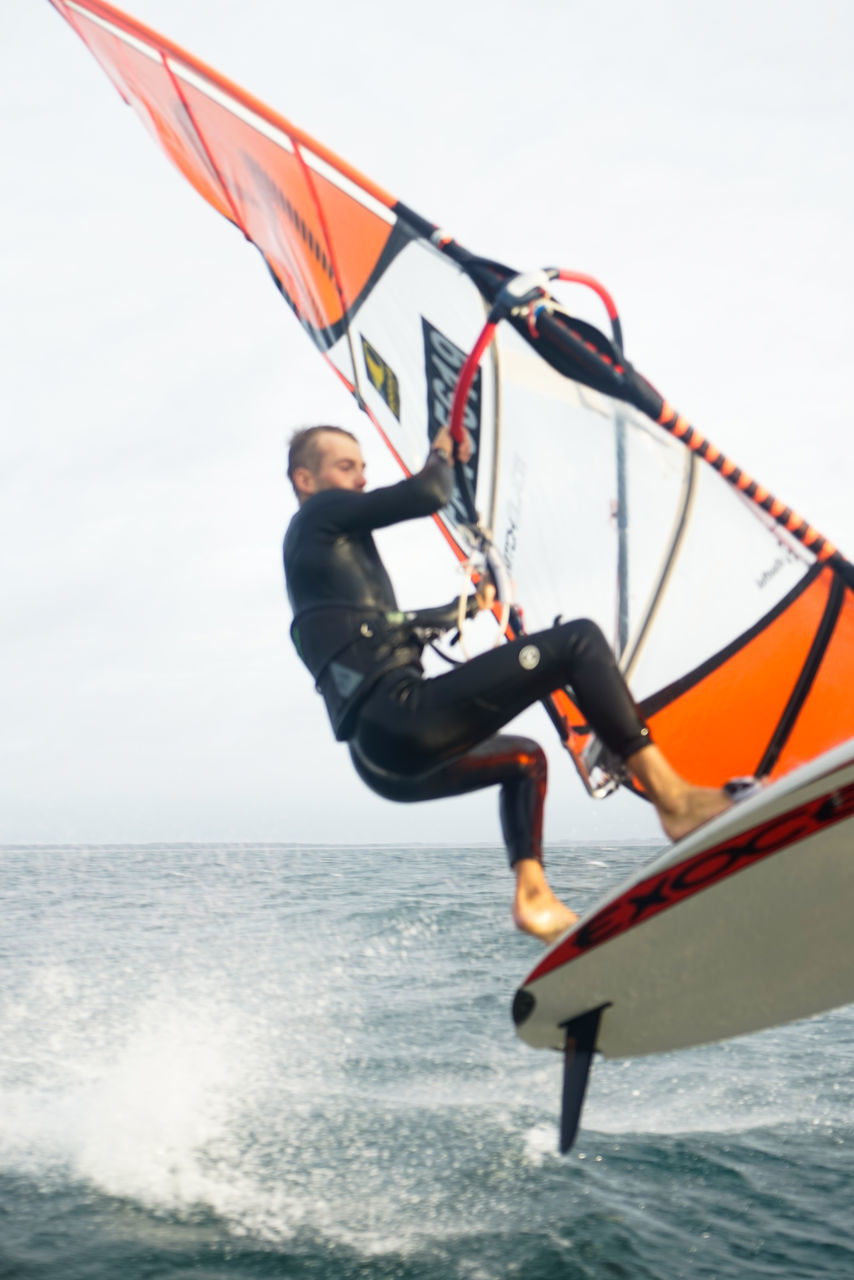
{"points": [[325, 458]]}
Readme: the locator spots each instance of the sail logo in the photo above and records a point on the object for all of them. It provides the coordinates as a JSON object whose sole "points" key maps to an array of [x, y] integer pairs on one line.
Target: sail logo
{"points": [[443, 362], [278, 200], [382, 377], [781, 561]]}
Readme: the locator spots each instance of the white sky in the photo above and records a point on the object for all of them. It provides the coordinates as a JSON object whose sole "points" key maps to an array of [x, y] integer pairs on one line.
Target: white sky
{"points": [[696, 158]]}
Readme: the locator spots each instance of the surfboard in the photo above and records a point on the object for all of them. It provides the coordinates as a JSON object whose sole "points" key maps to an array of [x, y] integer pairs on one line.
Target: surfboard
{"points": [[744, 924]]}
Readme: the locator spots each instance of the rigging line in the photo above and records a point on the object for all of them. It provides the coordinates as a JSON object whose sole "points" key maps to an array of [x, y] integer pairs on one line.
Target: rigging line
{"points": [[806, 678]]}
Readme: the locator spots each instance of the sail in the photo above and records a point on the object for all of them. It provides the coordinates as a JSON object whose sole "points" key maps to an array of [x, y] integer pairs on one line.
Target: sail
{"points": [[732, 618], [734, 636]]}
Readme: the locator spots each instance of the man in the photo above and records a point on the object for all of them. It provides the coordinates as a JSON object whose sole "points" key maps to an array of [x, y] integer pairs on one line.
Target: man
{"points": [[418, 738]]}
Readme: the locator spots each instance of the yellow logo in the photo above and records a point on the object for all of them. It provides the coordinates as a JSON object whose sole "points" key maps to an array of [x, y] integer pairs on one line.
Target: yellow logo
{"points": [[382, 377]]}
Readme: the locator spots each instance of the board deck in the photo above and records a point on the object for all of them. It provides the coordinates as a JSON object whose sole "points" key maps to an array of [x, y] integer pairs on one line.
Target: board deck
{"points": [[746, 923]]}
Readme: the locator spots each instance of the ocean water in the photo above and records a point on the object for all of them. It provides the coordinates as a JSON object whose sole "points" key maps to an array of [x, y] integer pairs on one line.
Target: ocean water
{"points": [[234, 1061]]}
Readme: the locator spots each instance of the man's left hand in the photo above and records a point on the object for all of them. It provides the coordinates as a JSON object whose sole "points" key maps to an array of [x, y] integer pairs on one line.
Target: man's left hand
{"points": [[485, 592]]}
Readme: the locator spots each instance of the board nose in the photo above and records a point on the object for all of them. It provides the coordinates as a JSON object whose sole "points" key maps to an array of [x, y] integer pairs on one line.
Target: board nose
{"points": [[524, 1004]]}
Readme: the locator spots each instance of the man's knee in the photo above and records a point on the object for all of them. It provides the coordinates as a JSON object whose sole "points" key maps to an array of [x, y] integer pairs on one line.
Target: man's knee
{"points": [[529, 758], [584, 634], [535, 764]]}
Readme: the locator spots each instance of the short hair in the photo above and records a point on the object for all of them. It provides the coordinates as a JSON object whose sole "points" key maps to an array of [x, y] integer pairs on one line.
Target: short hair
{"points": [[305, 448]]}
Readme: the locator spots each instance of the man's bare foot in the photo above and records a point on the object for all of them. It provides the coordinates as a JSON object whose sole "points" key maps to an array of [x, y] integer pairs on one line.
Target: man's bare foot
{"points": [[693, 807], [681, 806], [535, 909]]}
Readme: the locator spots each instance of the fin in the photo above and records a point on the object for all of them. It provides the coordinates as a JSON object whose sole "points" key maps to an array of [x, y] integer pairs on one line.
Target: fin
{"points": [[581, 1033]]}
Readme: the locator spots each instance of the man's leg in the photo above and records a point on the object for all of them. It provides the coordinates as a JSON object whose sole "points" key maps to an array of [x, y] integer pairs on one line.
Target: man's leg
{"points": [[519, 767], [448, 714], [535, 908], [681, 807]]}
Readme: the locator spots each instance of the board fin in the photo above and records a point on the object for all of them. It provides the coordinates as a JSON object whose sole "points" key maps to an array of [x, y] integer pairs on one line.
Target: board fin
{"points": [[578, 1050]]}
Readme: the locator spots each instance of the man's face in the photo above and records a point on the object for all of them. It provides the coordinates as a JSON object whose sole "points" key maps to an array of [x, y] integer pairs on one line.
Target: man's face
{"points": [[341, 466]]}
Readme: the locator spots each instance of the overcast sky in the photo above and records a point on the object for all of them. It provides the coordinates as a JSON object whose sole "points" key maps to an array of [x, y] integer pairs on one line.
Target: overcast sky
{"points": [[697, 158]]}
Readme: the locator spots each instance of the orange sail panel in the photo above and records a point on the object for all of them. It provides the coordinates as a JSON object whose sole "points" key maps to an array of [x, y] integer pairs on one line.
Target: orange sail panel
{"points": [[321, 230], [724, 719]]}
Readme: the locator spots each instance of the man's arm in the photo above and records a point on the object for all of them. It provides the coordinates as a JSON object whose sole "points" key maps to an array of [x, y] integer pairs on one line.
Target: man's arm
{"points": [[420, 495]]}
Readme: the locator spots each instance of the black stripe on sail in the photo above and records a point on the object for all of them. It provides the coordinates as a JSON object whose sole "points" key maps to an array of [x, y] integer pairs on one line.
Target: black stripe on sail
{"points": [[657, 701], [806, 679]]}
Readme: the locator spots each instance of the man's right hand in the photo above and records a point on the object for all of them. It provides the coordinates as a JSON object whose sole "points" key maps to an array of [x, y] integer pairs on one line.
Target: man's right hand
{"points": [[444, 440]]}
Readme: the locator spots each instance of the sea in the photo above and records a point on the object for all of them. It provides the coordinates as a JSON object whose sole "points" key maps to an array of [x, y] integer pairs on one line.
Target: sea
{"points": [[230, 1061]]}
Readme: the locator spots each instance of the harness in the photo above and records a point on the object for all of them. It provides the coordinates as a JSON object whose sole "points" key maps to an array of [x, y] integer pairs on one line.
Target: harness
{"points": [[376, 642]]}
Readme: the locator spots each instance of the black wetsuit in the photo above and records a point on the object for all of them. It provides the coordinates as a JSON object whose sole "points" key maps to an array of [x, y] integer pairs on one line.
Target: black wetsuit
{"points": [[418, 738]]}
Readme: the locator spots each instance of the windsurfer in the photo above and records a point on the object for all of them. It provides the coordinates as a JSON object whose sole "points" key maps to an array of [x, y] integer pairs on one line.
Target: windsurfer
{"points": [[413, 737]]}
